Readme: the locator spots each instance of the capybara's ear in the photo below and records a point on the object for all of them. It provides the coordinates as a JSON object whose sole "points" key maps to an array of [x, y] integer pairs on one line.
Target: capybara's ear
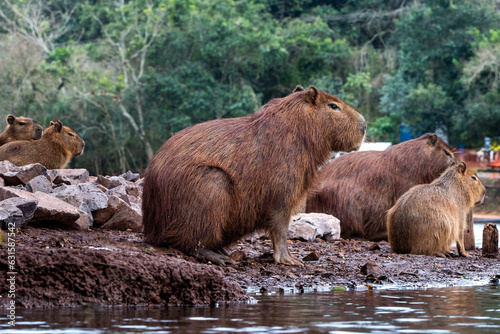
{"points": [[312, 95], [433, 138], [299, 88], [57, 124], [11, 119], [462, 167]]}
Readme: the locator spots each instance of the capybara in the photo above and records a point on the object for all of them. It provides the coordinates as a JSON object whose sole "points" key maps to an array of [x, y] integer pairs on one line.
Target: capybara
{"points": [[358, 188], [54, 150], [429, 217], [20, 128], [217, 181]]}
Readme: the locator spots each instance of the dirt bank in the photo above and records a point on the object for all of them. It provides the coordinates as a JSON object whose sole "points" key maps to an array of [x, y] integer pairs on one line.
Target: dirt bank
{"points": [[103, 267]]}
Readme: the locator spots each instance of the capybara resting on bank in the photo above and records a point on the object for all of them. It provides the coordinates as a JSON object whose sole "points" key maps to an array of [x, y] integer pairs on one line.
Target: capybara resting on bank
{"points": [[54, 150], [20, 128], [214, 182], [358, 188], [429, 217]]}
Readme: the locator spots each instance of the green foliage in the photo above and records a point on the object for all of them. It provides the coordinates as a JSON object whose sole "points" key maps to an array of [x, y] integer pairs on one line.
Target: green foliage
{"points": [[131, 75]]}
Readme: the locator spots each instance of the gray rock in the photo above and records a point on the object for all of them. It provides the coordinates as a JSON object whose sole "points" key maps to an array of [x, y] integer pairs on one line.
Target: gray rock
{"points": [[69, 176], [111, 181], [102, 216], [22, 175], [49, 209], [39, 183], [83, 193], [16, 211], [308, 226], [6, 166], [132, 177]]}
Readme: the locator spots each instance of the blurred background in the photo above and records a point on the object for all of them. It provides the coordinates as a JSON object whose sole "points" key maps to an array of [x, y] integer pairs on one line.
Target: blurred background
{"points": [[126, 75]]}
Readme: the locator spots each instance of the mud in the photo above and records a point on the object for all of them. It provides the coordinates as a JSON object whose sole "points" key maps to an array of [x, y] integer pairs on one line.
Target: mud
{"points": [[106, 268]]}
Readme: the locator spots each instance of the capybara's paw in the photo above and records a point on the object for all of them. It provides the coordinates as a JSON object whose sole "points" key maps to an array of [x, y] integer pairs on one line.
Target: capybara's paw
{"points": [[465, 254], [220, 259], [288, 259]]}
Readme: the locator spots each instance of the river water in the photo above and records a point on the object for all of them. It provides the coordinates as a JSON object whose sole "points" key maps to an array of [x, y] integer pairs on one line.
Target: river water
{"points": [[474, 309]]}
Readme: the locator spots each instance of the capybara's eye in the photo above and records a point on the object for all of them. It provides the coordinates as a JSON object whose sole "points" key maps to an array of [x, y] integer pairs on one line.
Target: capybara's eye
{"points": [[474, 178], [22, 123], [334, 106], [71, 134], [447, 153]]}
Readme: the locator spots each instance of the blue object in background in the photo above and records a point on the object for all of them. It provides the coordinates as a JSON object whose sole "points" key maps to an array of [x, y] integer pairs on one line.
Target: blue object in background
{"points": [[404, 133]]}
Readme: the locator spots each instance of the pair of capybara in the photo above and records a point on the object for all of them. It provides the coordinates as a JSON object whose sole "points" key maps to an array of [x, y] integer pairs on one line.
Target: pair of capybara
{"points": [[24, 142], [215, 182]]}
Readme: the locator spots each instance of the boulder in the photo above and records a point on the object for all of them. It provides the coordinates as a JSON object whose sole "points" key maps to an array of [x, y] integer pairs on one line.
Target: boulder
{"points": [[6, 166], [308, 226], [83, 193], [132, 177], [111, 181], [103, 215]]}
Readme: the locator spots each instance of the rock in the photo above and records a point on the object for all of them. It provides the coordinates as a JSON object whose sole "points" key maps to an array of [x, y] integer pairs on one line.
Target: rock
{"points": [[371, 268], [69, 176], [16, 210], [103, 215], [308, 226], [39, 183], [124, 218], [22, 175], [374, 246], [313, 256], [129, 176], [83, 193], [110, 181], [50, 211], [238, 256], [6, 166]]}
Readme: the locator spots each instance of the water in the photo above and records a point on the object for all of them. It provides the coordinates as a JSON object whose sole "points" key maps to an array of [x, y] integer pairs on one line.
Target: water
{"points": [[436, 310]]}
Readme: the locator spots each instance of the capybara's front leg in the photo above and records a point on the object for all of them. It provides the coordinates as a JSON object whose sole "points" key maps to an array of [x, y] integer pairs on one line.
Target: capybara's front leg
{"points": [[278, 235], [208, 255], [460, 245]]}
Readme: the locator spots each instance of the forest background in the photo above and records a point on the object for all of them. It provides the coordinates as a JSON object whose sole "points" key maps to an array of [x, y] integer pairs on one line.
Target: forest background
{"points": [[126, 75]]}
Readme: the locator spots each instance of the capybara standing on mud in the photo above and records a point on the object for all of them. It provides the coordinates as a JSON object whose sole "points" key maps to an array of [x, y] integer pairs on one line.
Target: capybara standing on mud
{"points": [[54, 150], [358, 188], [429, 217], [215, 182], [20, 128]]}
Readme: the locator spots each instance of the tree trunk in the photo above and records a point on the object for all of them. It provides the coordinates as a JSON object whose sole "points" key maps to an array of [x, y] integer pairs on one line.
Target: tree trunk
{"points": [[490, 240]]}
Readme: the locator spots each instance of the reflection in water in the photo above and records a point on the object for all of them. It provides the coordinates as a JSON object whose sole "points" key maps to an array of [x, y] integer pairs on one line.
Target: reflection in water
{"points": [[444, 310]]}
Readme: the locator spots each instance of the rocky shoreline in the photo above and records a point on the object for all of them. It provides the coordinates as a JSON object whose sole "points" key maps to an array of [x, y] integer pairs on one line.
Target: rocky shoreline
{"points": [[78, 241]]}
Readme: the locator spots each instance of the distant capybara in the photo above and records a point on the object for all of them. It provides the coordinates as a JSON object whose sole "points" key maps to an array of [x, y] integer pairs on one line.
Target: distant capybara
{"points": [[358, 188], [217, 181], [429, 217], [54, 150], [20, 128]]}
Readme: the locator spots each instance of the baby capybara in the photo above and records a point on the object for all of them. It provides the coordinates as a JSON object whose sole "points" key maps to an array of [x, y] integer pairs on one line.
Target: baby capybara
{"points": [[358, 188], [54, 150], [214, 182], [429, 217], [20, 128]]}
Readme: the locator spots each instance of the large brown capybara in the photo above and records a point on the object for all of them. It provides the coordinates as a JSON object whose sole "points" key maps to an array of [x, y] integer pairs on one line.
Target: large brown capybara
{"points": [[217, 181], [358, 188], [20, 128], [54, 150], [429, 217]]}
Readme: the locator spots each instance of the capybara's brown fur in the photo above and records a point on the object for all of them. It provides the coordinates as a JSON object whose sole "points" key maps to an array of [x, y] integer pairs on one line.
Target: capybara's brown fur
{"points": [[54, 150], [358, 188], [20, 128], [429, 217], [215, 182]]}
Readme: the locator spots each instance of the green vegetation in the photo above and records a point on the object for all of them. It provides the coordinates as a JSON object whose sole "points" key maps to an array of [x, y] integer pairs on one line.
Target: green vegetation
{"points": [[126, 75]]}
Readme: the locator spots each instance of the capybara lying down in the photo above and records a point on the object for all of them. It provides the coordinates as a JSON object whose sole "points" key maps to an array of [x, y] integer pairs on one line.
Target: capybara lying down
{"points": [[20, 128], [358, 188], [429, 217], [214, 182], [54, 150]]}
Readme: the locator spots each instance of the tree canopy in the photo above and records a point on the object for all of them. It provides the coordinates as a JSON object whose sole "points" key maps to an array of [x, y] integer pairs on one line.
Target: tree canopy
{"points": [[126, 74]]}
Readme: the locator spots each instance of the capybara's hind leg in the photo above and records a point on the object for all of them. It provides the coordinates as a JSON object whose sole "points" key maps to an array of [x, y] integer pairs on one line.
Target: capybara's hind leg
{"points": [[208, 255], [278, 234]]}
